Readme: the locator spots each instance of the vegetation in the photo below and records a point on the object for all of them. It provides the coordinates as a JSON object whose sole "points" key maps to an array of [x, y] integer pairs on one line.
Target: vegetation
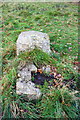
{"points": [[57, 103], [38, 57], [59, 21]]}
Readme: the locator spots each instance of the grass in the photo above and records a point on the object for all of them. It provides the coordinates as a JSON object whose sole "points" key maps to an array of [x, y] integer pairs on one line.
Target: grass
{"points": [[59, 21], [38, 57], [57, 104]]}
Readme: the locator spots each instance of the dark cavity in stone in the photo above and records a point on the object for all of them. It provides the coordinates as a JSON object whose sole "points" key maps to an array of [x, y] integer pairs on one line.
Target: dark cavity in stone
{"points": [[40, 78]]}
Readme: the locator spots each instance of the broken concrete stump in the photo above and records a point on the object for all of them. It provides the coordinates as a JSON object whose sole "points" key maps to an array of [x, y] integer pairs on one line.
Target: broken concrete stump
{"points": [[28, 41]]}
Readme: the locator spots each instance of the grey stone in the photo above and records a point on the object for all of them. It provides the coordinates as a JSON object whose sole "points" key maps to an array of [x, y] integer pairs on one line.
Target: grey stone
{"points": [[29, 40], [25, 72], [28, 89], [24, 84]]}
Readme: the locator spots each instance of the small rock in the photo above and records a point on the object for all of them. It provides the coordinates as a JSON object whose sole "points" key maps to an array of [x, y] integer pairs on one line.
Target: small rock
{"points": [[46, 69]]}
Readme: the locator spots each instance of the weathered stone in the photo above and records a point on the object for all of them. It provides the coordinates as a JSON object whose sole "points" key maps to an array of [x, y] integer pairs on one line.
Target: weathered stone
{"points": [[28, 89], [25, 72], [29, 40]]}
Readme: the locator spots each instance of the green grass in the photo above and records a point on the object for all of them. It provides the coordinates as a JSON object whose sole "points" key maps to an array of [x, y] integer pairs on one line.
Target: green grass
{"points": [[59, 21], [57, 103], [38, 57]]}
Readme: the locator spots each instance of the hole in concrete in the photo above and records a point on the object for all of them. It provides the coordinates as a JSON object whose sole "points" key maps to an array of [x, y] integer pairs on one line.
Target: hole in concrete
{"points": [[40, 78]]}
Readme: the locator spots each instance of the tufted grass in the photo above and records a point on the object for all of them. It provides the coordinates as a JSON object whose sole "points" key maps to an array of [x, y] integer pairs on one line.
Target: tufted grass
{"points": [[38, 57]]}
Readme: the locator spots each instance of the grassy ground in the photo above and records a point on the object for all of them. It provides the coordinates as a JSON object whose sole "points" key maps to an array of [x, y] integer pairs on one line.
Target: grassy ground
{"points": [[58, 20]]}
